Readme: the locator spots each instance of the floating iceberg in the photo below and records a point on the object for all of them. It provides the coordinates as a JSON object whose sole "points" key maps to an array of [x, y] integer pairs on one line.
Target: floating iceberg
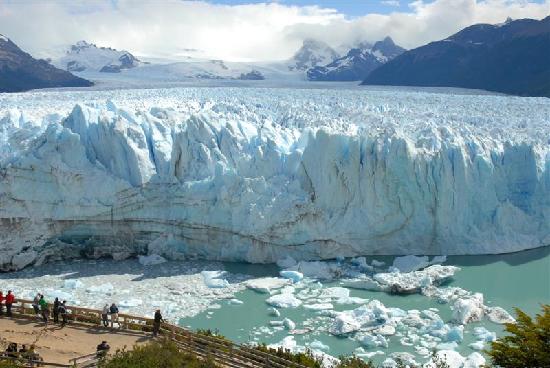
{"points": [[214, 280], [266, 284]]}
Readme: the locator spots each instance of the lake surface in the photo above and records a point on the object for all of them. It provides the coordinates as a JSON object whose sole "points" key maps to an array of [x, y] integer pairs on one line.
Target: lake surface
{"points": [[519, 279]]}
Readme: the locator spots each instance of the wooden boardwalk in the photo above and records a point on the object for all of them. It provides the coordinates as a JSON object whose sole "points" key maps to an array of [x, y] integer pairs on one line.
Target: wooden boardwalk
{"points": [[224, 352]]}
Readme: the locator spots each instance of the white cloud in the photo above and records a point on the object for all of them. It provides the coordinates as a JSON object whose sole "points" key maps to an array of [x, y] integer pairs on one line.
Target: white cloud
{"points": [[390, 2], [267, 31]]}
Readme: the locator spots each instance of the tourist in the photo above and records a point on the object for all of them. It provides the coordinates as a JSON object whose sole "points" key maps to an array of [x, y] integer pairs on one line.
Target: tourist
{"points": [[157, 322], [11, 351], [105, 315], [36, 305], [1, 305], [102, 349], [56, 304], [23, 350], [44, 310], [114, 315], [10, 299], [63, 312]]}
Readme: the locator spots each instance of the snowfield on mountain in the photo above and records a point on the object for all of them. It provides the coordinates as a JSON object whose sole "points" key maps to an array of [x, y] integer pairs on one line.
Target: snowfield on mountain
{"points": [[260, 174]]}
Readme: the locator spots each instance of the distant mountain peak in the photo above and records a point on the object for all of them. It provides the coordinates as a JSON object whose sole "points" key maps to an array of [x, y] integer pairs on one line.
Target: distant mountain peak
{"points": [[357, 63], [4, 38], [86, 56], [312, 53]]}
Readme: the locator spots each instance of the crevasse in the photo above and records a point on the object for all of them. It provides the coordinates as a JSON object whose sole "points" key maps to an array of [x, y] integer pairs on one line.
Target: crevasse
{"points": [[234, 180]]}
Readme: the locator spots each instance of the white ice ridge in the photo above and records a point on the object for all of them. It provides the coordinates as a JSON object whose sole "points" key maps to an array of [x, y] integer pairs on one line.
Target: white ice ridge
{"points": [[261, 174]]}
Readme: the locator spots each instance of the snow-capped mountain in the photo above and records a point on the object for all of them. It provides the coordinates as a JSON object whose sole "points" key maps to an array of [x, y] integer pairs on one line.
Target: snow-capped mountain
{"points": [[84, 56], [256, 175], [311, 54], [19, 71], [357, 63]]}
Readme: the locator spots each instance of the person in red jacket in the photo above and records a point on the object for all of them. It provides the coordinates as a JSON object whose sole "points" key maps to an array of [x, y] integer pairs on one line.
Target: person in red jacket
{"points": [[10, 299], [1, 305]]}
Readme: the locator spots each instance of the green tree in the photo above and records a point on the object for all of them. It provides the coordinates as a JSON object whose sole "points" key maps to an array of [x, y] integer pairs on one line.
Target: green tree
{"points": [[527, 343], [163, 354]]}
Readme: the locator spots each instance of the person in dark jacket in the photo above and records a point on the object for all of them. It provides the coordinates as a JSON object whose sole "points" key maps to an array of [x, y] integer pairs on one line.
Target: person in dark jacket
{"points": [[10, 299], [102, 349], [114, 315], [56, 305], [63, 312], [156, 323]]}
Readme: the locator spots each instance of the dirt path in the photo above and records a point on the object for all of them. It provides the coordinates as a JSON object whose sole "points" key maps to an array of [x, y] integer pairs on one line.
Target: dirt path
{"points": [[57, 345]]}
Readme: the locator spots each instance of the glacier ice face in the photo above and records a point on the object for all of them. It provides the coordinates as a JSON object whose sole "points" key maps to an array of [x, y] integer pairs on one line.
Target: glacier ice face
{"points": [[262, 175]]}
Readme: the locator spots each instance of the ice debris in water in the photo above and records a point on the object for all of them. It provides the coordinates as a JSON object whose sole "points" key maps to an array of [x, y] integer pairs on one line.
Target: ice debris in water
{"points": [[469, 309], [72, 284], [295, 276], [151, 260], [266, 284], [213, 279]]}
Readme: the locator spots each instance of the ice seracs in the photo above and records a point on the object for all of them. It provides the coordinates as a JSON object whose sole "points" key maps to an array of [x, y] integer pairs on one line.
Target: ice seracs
{"points": [[257, 174]]}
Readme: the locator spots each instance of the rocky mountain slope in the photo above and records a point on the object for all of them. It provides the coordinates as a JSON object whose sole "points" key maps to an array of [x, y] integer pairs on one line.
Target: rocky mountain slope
{"points": [[311, 54], [19, 71], [513, 57]]}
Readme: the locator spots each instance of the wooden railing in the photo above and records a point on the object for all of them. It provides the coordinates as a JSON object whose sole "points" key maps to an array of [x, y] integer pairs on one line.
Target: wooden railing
{"points": [[226, 353]]}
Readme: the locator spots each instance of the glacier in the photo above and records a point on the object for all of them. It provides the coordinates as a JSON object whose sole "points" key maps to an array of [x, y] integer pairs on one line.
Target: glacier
{"points": [[261, 174]]}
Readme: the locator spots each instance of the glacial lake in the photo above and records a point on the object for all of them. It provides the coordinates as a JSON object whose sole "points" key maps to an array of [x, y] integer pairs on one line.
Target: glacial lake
{"points": [[519, 279]]}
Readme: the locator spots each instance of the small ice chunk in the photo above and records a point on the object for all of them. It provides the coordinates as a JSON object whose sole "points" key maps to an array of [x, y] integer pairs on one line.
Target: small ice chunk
{"points": [[274, 312], [284, 300], [343, 324], [72, 284], [335, 292], [369, 340], [318, 345], [130, 303], [499, 315], [295, 276], [451, 357], [478, 345], [474, 360], [481, 333], [106, 288], [235, 301], [289, 324], [319, 306], [410, 263], [455, 333], [266, 284], [276, 323], [469, 309], [213, 279], [151, 260]]}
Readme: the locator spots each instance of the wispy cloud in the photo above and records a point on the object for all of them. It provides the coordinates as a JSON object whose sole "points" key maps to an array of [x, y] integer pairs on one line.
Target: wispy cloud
{"points": [[390, 2], [260, 31]]}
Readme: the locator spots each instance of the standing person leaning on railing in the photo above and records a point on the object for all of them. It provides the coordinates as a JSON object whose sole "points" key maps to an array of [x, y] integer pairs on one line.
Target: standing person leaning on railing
{"points": [[1, 303], [10, 299]]}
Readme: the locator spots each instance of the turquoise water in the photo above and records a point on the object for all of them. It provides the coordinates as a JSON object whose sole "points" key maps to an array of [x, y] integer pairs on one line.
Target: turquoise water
{"points": [[513, 280]]}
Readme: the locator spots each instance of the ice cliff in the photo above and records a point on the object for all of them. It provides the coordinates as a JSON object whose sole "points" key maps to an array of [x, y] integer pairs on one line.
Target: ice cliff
{"points": [[258, 174]]}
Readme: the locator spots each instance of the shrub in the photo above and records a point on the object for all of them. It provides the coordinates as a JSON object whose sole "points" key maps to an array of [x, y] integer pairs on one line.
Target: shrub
{"points": [[527, 343], [306, 358], [353, 362], [158, 354]]}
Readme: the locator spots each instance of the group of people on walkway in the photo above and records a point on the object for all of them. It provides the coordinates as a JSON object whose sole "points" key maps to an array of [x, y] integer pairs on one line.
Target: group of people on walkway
{"points": [[12, 351], [8, 301], [42, 309], [109, 313]]}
